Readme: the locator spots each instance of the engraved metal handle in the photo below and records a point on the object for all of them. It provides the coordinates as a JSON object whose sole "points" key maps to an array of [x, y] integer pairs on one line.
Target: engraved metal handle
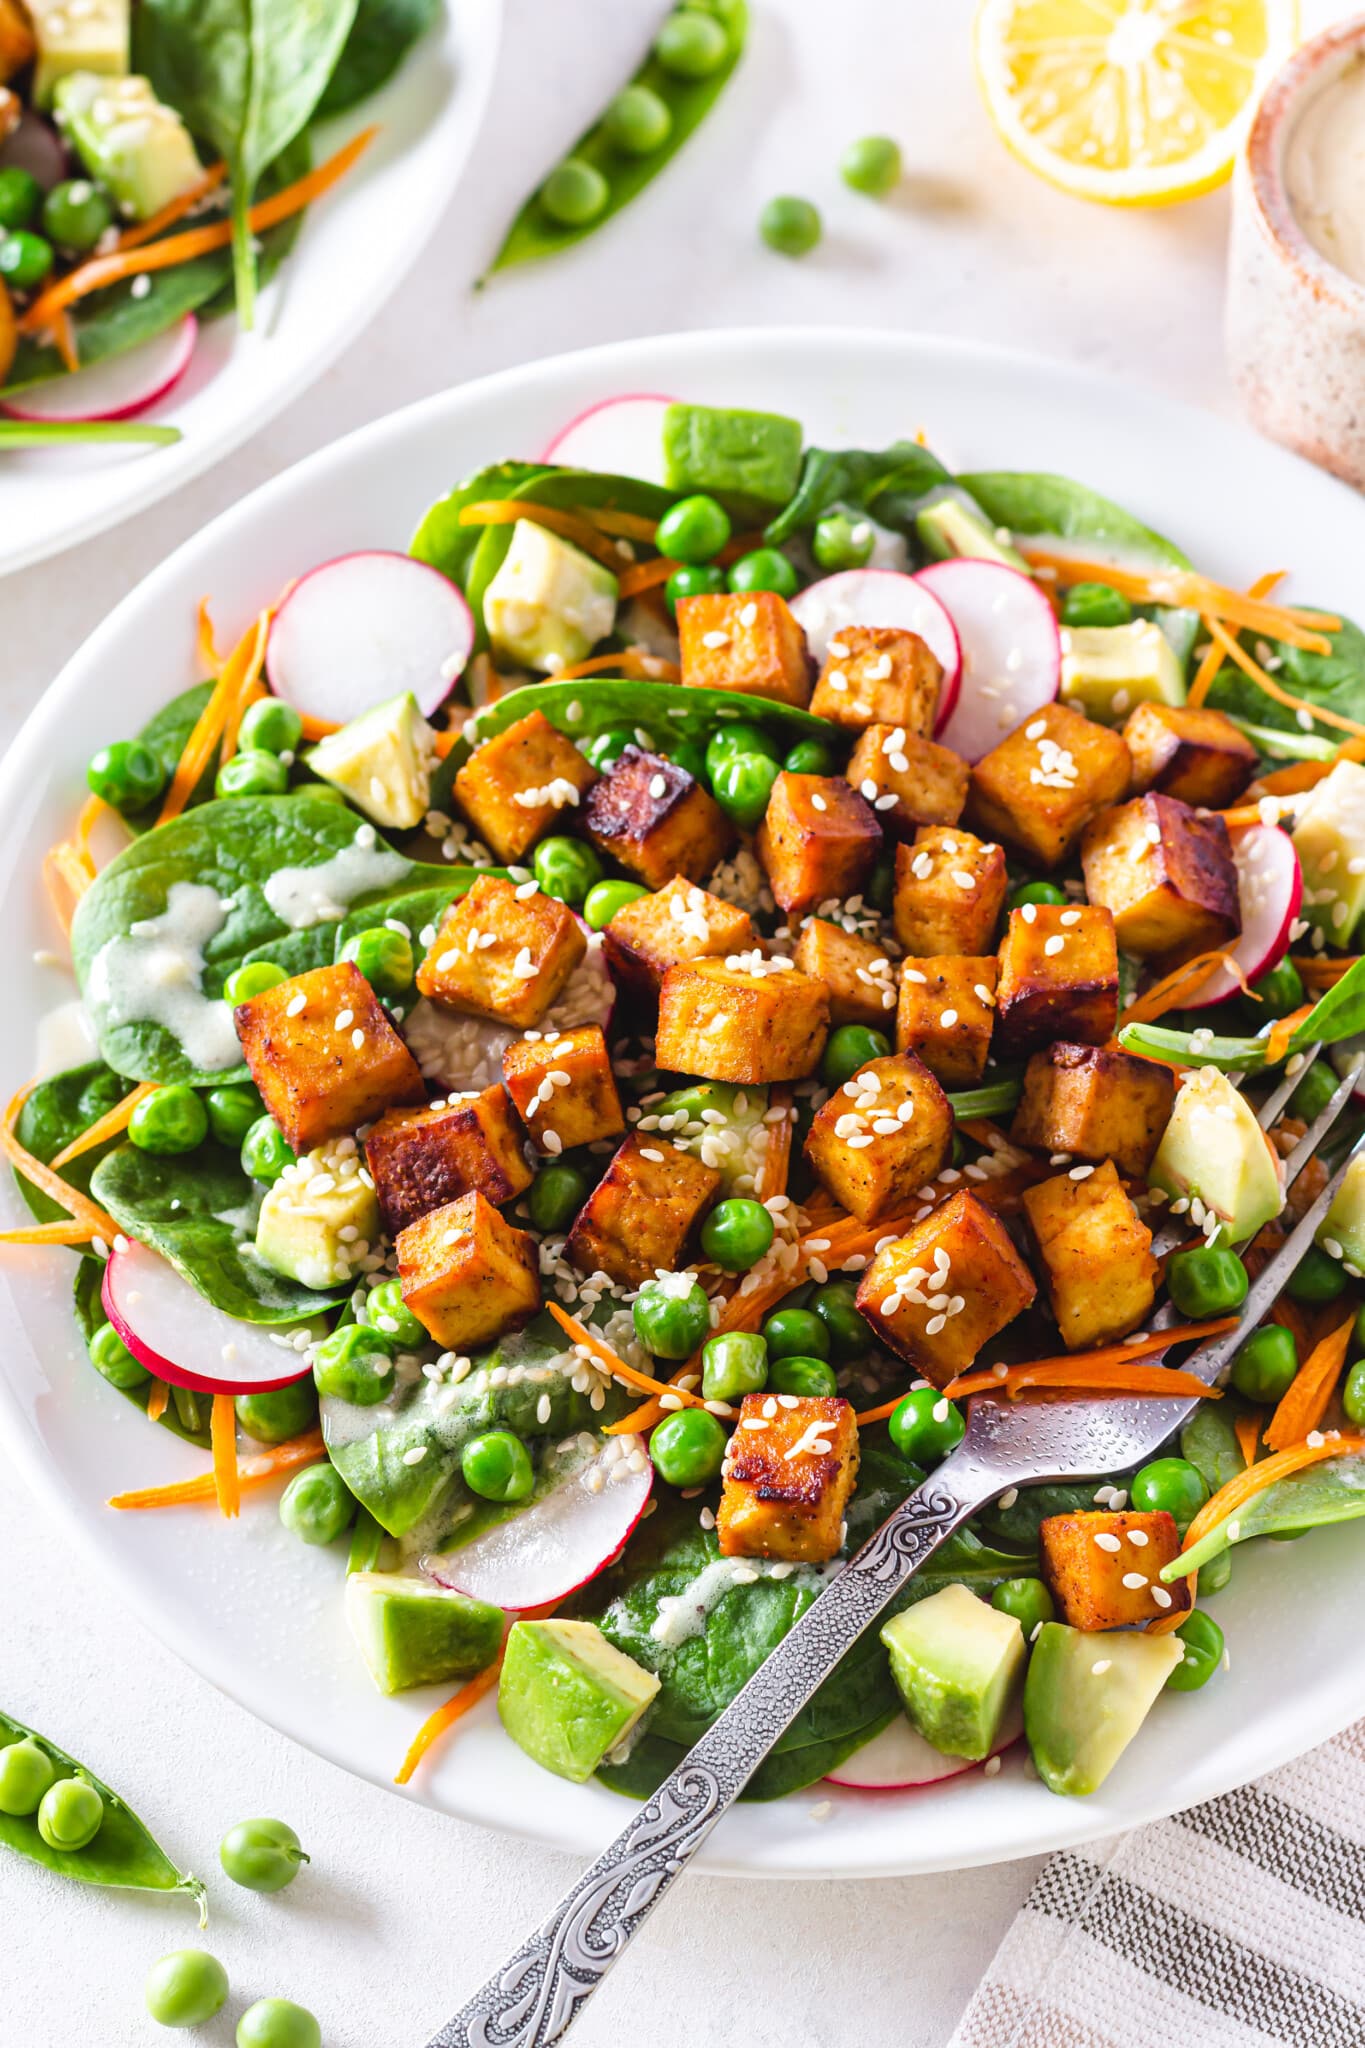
{"points": [[535, 1996]]}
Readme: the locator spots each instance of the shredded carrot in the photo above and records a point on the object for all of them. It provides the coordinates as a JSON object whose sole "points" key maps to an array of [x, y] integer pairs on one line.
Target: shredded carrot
{"points": [[453, 1710], [48, 1233], [1247, 1430], [1185, 587], [777, 1154], [1254, 1479], [635, 662], [64, 341], [1294, 780], [58, 894], [1173, 989], [250, 687], [1319, 974], [254, 1471], [1277, 691], [107, 1126], [1281, 1032], [175, 209], [987, 1380], [206, 647], [158, 1394], [642, 576], [1213, 653], [571, 526], [93, 810], [317, 728], [209, 726], [79, 1207], [617, 1367], [1306, 1401], [445, 743], [223, 1438]]}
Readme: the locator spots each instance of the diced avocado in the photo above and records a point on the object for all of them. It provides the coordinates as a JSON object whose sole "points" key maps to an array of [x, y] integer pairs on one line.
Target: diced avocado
{"points": [[549, 604], [1214, 1149], [128, 139], [957, 1664], [950, 527], [1086, 1696], [1106, 670], [315, 1233], [1330, 842], [752, 456], [735, 1136], [567, 1696], [383, 762], [1342, 1232], [92, 37], [412, 1633]]}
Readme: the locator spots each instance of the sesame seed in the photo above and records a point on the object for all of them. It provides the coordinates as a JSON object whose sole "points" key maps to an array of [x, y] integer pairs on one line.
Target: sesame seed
{"points": [[1132, 1580], [1104, 1541], [1100, 1666]]}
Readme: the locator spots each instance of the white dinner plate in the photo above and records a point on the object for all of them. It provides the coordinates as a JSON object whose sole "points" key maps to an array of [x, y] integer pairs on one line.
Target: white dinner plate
{"points": [[260, 1614], [357, 245]]}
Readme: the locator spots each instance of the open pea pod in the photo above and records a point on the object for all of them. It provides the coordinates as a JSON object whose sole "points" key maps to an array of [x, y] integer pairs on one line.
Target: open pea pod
{"points": [[122, 1853]]}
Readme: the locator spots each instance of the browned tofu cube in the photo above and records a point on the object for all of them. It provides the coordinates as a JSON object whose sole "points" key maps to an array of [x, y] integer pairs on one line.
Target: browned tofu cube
{"points": [[946, 1015], [856, 971], [741, 1019], [17, 44], [639, 1217], [1096, 1251], [950, 888], [420, 1159], [1190, 752], [1168, 876], [748, 642], [656, 820], [881, 1136], [1041, 786], [502, 956], [1104, 1568], [907, 780], [324, 1055], [522, 783], [789, 1472], [467, 1274], [678, 922], [563, 1087], [879, 675], [947, 1287], [818, 838], [1059, 978], [1094, 1102]]}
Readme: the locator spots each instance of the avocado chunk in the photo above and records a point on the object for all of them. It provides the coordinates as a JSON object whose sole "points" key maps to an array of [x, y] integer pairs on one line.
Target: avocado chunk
{"points": [[318, 1234], [754, 457], [950, 527], [412, 1633], [93, 37], [1086, 1696], [549, 604], [567, 1696], [1330, 842], [958, 1665], [1342, 1231], [128, 139], [382, 761], [1106, 670], [1214, 1149], [736, 1144]]}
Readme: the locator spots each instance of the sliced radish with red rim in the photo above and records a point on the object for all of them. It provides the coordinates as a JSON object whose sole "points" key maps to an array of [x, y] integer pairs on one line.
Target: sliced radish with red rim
{"points": [[882, 597], [170, 1328], [114, 390], [1270, 889], [621, 436], [899, 1759], [1011, 650], [366, 627]]}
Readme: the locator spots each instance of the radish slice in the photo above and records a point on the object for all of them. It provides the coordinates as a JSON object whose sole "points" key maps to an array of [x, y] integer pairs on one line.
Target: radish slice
{"points": [[1011, 650], [560, 1542], [1270, 886], [179, 1336], [35, 146], [900, 1758], [116, 389], [366, 627], [622, 436], [882, 597]]}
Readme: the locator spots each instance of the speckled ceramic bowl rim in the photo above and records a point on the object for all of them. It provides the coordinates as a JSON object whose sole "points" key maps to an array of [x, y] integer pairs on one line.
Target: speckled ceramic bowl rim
{"points": [[1266, 143]]}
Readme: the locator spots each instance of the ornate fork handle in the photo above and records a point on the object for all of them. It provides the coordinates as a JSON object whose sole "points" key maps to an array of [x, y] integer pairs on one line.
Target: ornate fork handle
{"points": [[535, 1996]]}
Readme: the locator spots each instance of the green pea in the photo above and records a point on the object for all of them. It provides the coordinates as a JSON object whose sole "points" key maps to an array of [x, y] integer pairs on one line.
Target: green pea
{"points": [[232, 1112], [20, 197], [355, 1363], [252, 978], [604, 899], [265, 1151], [555, 1196], [566, 868], [880, 891], [925, 1425], [691, 44], [1172, 1486], [693, 579], [261, 1855], [1203, 1641], [1208, 1281], [609, 746], [1037, 892], [637, 122], [1266, 1364], [763, 569], [278, 2023], [252, 772], [789, 226], [25, 260], [848, 1049], [113, 1360], [1317, 1085], [385, 959], [795, 1333], [317, 1505], [1028, 1600], [871, 165], [836, 1304], [1281, 991], [271, 726], [497, 1466], [1317, 1278], [1353, 1394], [693, 530], [742, 787], [810, 1379], [1095, 604], [1214, 1575], [733, 1366], [736, 1235], [671, 1316], [76, 213], [1360, 1327], [186, 1988], [26, 1772], [172, 1119], [323, 793], [274, 1417], [691, 755], [810, 757], [126, 775], [69, 1815], [574, 193], [839, 542], [734, 738], [688, 1448]]}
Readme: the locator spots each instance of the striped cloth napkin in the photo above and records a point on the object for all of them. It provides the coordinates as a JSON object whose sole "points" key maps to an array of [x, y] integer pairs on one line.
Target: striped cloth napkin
{"points": [[1240, 1924]]}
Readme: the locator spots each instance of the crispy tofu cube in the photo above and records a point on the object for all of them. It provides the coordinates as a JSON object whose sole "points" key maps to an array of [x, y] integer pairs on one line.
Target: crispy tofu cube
{"points": [[535, 946], [1168, 876], [856, 971], [1089, 1558], [564, 1088], [946, 1015], [521, 783], [879, 675], [787, 1480], [656, 820], [1059, 978], [818, 838], [925, 784], [748, 642], [1189, 752], [17, 44], [881, 1136], [1097, 1254], [950, 888], [741, 1019], [324, 1055], [639, 1217], [1096, 1103], [468, 1275], [1041, 786], [947, 1287], [420, 1159], [678, 922]]}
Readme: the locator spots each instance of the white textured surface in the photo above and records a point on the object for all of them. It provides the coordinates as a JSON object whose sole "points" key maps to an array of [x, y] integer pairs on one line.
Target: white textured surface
{"points": [[402, 1911]]}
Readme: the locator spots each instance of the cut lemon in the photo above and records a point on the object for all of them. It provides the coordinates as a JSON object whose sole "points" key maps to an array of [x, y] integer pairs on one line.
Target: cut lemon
{"points": [[1134, 102]]}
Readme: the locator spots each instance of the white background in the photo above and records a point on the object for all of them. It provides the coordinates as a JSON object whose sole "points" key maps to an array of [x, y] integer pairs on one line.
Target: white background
{"points": [[402, 1913]]}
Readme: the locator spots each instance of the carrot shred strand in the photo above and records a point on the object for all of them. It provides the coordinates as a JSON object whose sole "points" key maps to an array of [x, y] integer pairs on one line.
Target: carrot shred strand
{"points": [[1254, 1479], [257, 1470], [107, 1126], [223, 1438], [1306, 1400], [79, 1207], [446, 1715], [158, 1396]]}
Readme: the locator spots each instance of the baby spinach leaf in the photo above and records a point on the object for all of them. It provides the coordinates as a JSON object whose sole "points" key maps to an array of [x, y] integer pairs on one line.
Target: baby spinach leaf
{"points": [[1333, 1491], [888, 485], [380, 37], [1016, 1526], [56, 1112], [185, 1415], [440, 538], [652, 1758], [417, 911], [166, 734], [1334, 681], [1338, 1014], [1209, 1440]]}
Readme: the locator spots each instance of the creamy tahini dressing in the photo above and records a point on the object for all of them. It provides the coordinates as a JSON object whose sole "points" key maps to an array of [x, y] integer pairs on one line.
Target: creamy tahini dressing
{"points": [[1324, 171], [154, 974], [301, 897], [66, 1038], [684, 1615]]}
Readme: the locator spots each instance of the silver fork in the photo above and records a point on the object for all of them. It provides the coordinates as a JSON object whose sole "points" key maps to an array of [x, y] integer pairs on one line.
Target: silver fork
{"points": [[535, 1996]]}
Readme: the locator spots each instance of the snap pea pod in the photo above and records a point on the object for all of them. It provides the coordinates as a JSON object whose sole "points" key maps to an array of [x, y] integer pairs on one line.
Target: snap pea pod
{"points": [[367, 1542], [122, 1852], [46, 433], [992, 1100], [534, 234]]}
